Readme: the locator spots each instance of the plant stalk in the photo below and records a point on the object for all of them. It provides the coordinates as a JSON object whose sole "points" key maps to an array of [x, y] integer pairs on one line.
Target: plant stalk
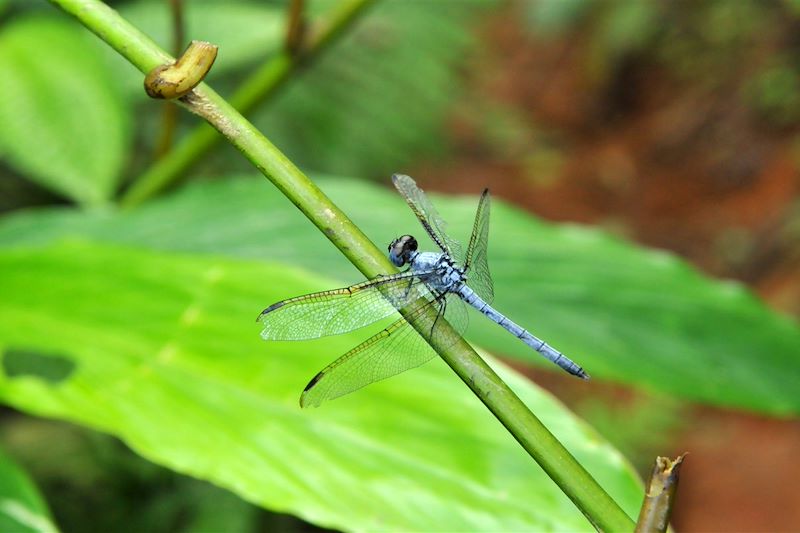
{"points": [[169, 111], [560, 465], [659, 498]]}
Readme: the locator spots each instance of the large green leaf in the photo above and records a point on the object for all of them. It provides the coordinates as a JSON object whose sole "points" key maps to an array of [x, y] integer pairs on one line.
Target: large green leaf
{"points": [[62, 119], [163, 351], [22, 508], [626, 314]]}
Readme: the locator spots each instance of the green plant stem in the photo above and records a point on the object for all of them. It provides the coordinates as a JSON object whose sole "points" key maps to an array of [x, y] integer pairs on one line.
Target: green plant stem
{"points": [[560, 465], [295, 27], [169, 111], [261, 85]]}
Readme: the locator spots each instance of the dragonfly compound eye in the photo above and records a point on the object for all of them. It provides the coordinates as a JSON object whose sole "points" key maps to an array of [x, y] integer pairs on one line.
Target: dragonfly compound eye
{"points": [[402, 249]]}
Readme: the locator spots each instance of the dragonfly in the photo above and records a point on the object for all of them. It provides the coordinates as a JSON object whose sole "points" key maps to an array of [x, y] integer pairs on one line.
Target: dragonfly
{"points": [[428, 300]]}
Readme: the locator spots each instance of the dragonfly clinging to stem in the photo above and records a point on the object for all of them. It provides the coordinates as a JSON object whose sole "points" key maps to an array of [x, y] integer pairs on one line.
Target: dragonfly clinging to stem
{"points": [[435, 285]]}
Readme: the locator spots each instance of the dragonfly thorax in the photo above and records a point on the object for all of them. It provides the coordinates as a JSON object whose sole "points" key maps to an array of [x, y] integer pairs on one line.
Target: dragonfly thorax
{"points": [[439, 271]]}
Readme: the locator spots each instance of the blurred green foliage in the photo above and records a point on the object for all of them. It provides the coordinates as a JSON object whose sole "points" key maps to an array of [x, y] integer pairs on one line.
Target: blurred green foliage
{"points": [[775, 92], [22, 508], [377, 102], [90, 470], [64, 122], [361, 107]]}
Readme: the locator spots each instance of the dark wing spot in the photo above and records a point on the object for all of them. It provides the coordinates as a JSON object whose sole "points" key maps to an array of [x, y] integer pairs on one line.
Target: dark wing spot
{"points": [[269, 309], [313, 381]]}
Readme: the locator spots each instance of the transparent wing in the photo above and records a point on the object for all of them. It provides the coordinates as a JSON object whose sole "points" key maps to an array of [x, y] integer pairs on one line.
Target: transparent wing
{"points": [[427, 215], [476, 262], [393, 350], [341, 310]]}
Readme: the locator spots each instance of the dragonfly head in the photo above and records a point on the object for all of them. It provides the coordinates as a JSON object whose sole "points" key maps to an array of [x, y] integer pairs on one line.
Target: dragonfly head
{"points": [[402, 250]]}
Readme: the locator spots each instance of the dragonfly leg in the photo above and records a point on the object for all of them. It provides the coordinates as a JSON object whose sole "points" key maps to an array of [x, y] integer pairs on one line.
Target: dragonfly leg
{"points": [[442, 308]]}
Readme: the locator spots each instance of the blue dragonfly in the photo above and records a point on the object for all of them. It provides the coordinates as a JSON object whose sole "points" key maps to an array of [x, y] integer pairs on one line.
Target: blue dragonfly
{"points": [[435, 285]]}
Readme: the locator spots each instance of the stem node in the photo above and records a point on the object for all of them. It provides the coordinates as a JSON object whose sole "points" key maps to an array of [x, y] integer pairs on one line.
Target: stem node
{"points": [[175, 80]]}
